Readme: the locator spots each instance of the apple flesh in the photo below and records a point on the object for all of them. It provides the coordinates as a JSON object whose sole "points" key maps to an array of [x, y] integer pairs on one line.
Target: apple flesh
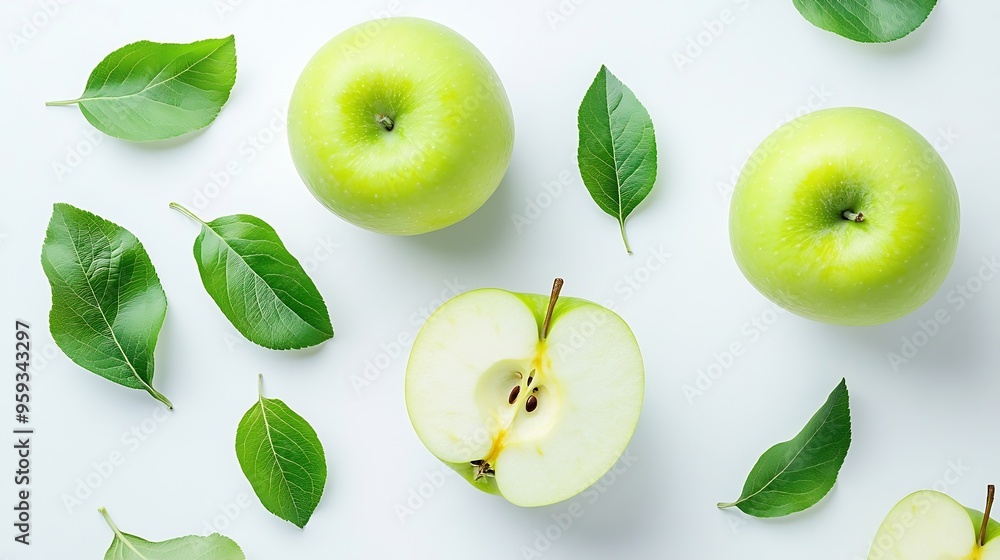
{"points": [[929, 525], [529, 397], [846, 216], [400, 126]]}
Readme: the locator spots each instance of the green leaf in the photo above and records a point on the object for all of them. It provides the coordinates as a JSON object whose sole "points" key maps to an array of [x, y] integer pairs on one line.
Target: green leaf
{"points": [[617, 151], [151, 91], [130, 547], [795, 475], [107, 302], [992, 526], [258, 284], [867, 21], [282, 458]]}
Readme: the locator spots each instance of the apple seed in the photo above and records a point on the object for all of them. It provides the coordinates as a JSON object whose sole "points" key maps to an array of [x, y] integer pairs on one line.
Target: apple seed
{"points": [[513, 394], [531, 404]]}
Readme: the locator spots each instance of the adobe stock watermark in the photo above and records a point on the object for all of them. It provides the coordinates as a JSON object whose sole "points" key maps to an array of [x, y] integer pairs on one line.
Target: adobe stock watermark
{"points": [[712, 28], [395, 347], [627, 287], [952, 475], [229, 512], [246, 152], [102, 470], [42, 359], [632, 282], [535, 205], [930, 157], [561, 12], [932, 324], [752, 330], [818, 98], [435, 479], [942, 142], [545, 538], [418, 496], [223, 8], [34, 23], [322, 251], [372, 28], [76, 153]]}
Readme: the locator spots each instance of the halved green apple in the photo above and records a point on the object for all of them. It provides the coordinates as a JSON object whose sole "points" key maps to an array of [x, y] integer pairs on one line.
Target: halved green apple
{"points": [[529, 397], [929, 525]]}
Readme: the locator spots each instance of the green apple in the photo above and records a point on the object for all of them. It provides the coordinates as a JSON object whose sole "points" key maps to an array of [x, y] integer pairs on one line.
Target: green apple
{"points": [[529, 397], [400, 126], [929, 525], [846, 216]]}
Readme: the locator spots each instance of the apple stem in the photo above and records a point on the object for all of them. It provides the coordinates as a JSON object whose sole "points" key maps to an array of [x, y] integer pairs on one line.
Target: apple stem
{"points": [[990, 490], [853, 217], [556, 288], [385, 121]]}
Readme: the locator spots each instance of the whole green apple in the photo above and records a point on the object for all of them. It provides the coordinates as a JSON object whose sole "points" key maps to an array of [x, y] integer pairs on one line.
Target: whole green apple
{"points": [[846, 216], [530, 397], [400, 126], [929, 525]]}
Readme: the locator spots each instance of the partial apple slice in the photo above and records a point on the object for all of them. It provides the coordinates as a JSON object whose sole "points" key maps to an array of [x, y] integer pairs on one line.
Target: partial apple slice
{"points": [[929, 525], [530, 397], [463, 361]]}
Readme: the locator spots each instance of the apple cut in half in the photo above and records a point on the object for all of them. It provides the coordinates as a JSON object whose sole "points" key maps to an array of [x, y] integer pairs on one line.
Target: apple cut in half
{"points": [[929, 525], [529, 397]]}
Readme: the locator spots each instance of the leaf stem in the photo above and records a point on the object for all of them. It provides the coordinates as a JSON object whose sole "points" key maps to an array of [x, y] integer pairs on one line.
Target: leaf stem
{"points": [[990, 491], [187, 213], [118, 534], [557, 285], [62, 103], [159, 396], [625, 237], [107, 519], [260, 386]]}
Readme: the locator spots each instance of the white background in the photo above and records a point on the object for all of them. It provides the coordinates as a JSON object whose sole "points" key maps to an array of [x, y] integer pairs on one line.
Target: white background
{"points": [[925, 423]]}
